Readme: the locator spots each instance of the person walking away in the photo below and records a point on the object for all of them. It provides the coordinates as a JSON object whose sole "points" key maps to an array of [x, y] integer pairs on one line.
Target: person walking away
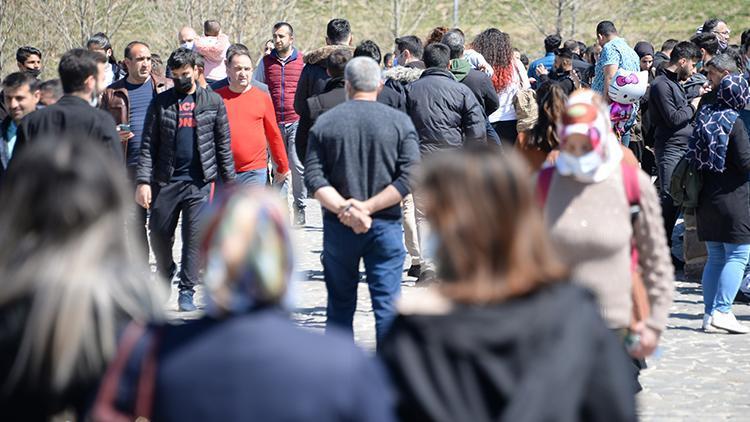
{"points": [[360, 159], [271, 369], [74, 115], [69, 284], [252, 125], [540, 144], [511, 291], [281, 71], [590, 170], [551, 45], [20, 96], [720, 149], [508, 78], [446, 115], [213, 47], [184, 148], [672, 116], [127, 100]]}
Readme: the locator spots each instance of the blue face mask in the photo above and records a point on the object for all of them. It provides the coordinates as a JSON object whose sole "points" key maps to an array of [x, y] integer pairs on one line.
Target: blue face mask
{"points": [[699, 66]]}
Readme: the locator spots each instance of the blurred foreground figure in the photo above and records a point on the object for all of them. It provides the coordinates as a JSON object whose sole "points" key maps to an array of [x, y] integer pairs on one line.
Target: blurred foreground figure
{"points": [[69, 284], [246, 360], [504, 337]]}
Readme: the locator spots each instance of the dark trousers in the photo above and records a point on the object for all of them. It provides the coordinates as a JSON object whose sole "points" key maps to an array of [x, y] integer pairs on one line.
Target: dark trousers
{"points": [[507, 131], [136, 224], [666, 161], [168, 201], [382, 249]]}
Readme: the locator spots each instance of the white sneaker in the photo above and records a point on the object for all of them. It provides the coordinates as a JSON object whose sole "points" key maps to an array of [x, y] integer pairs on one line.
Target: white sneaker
{"points": [[707, 323], [727, 321]]}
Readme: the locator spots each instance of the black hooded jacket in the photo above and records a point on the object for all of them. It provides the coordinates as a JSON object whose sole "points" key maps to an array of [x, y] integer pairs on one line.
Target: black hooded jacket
{"points": [[546, 356], [445, 112]]}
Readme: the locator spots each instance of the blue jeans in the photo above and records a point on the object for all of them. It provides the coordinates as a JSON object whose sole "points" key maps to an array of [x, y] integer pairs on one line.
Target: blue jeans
{"points": [[257, 177], [723, 275], [299, 191], [382, 250]]}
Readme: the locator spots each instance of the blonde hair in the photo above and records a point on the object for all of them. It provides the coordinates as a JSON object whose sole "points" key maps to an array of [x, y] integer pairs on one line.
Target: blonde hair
{"points": [[63, 251]]}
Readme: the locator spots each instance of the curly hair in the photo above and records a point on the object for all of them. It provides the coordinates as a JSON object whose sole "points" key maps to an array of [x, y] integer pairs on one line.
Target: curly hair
{"points": [[550, 99], [497, 49], [435, 35]]}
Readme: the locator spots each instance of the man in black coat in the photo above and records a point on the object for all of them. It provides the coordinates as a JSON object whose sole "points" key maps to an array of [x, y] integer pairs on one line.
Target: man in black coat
{"points": [[82, 77], [333, 94], [447, 116], [184, 147], [672, 116], [410, 66]]}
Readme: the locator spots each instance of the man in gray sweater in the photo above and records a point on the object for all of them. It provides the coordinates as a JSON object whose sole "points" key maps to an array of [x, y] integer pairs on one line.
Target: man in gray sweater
{"points": [[360, 157]]}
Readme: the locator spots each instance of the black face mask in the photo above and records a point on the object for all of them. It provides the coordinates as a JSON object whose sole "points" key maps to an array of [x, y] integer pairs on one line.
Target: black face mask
{"points": [[34, 72], [183, 84]]}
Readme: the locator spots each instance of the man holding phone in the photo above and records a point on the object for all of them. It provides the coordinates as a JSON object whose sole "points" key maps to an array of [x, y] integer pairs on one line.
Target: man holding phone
{"points": [[127, 100]]}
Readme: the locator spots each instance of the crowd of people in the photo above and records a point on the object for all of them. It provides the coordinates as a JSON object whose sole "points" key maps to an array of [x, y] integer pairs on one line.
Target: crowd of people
{"points": [[536, 202]]}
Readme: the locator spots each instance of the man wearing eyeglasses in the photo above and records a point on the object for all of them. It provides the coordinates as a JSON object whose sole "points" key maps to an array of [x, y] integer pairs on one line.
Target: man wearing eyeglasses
{"points": [[721, 29], [127, 101]]}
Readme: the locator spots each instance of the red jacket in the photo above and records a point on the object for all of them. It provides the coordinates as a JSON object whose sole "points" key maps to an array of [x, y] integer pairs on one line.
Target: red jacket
{"points": [[281, 78]]}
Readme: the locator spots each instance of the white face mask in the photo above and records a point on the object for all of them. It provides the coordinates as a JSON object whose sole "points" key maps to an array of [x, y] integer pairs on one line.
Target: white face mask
{"points": [[582, 168], [187, 44]]}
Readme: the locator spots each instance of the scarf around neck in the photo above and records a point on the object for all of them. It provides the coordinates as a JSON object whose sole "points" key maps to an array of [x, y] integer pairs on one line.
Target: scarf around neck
{"points": [[707, 147]]}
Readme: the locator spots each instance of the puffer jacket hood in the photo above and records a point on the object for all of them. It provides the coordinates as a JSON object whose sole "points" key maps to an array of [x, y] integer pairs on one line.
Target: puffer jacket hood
{"points": [[460, 69], [319, 55], [403, 74]]}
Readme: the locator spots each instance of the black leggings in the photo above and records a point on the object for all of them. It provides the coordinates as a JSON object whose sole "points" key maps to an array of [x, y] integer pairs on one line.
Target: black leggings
{"points": [[507, 131]]}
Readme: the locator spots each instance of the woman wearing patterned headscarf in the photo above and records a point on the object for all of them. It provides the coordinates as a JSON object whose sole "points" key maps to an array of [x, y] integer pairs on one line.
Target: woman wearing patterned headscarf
{"points": [[590, 197], [720, 149], [246, 360]]}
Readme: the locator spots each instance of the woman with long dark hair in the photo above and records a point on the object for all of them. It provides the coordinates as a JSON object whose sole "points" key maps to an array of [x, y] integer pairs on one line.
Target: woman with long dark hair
{"points": [[504, 336], [539, 144], [508, 78]]}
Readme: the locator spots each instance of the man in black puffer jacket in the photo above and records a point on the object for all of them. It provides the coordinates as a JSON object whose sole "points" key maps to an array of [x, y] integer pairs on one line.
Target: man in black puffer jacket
{"points": [[184, 147], [447, 116]]}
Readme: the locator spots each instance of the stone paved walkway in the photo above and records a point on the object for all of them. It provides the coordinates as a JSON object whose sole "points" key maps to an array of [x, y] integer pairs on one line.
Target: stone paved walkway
{"points": [[697, 377]]}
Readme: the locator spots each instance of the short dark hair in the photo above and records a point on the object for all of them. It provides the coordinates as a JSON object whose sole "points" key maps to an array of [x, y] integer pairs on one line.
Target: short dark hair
{"points": [[460, 32], [581, 46], [76, 66], [455, 42], [23, 53], [685, 50], [606, 28], [235, 50], [412, 43], [669, 45], [367, 48], [181, 57], [707, 41], [564, 53], [200, 61], [571, 45], [387, 57], [711, 24], [237, 47], [745, 38], [54, 86], [279, 25], [437, 55], [525, 60], [212, 26], [102, 40], [336, 62], [552, 42], [130, 46], [18, 79], [338, 31]]}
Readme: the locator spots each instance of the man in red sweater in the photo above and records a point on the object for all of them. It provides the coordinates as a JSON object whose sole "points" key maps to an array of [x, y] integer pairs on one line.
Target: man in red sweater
{"points": [[252, 124]]}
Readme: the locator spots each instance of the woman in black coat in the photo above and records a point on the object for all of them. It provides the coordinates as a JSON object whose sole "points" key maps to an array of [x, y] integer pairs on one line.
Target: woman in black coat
{"points": [[501, 338], [720, 149]]}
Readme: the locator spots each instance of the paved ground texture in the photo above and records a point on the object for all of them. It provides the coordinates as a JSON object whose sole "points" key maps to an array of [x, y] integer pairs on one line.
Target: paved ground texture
{"points": [[696, 377]]}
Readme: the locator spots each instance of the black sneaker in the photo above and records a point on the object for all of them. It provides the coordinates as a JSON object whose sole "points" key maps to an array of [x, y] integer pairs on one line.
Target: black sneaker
{"points": [[185, 301], [426, 277], [414, 270], [742, 297]]}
